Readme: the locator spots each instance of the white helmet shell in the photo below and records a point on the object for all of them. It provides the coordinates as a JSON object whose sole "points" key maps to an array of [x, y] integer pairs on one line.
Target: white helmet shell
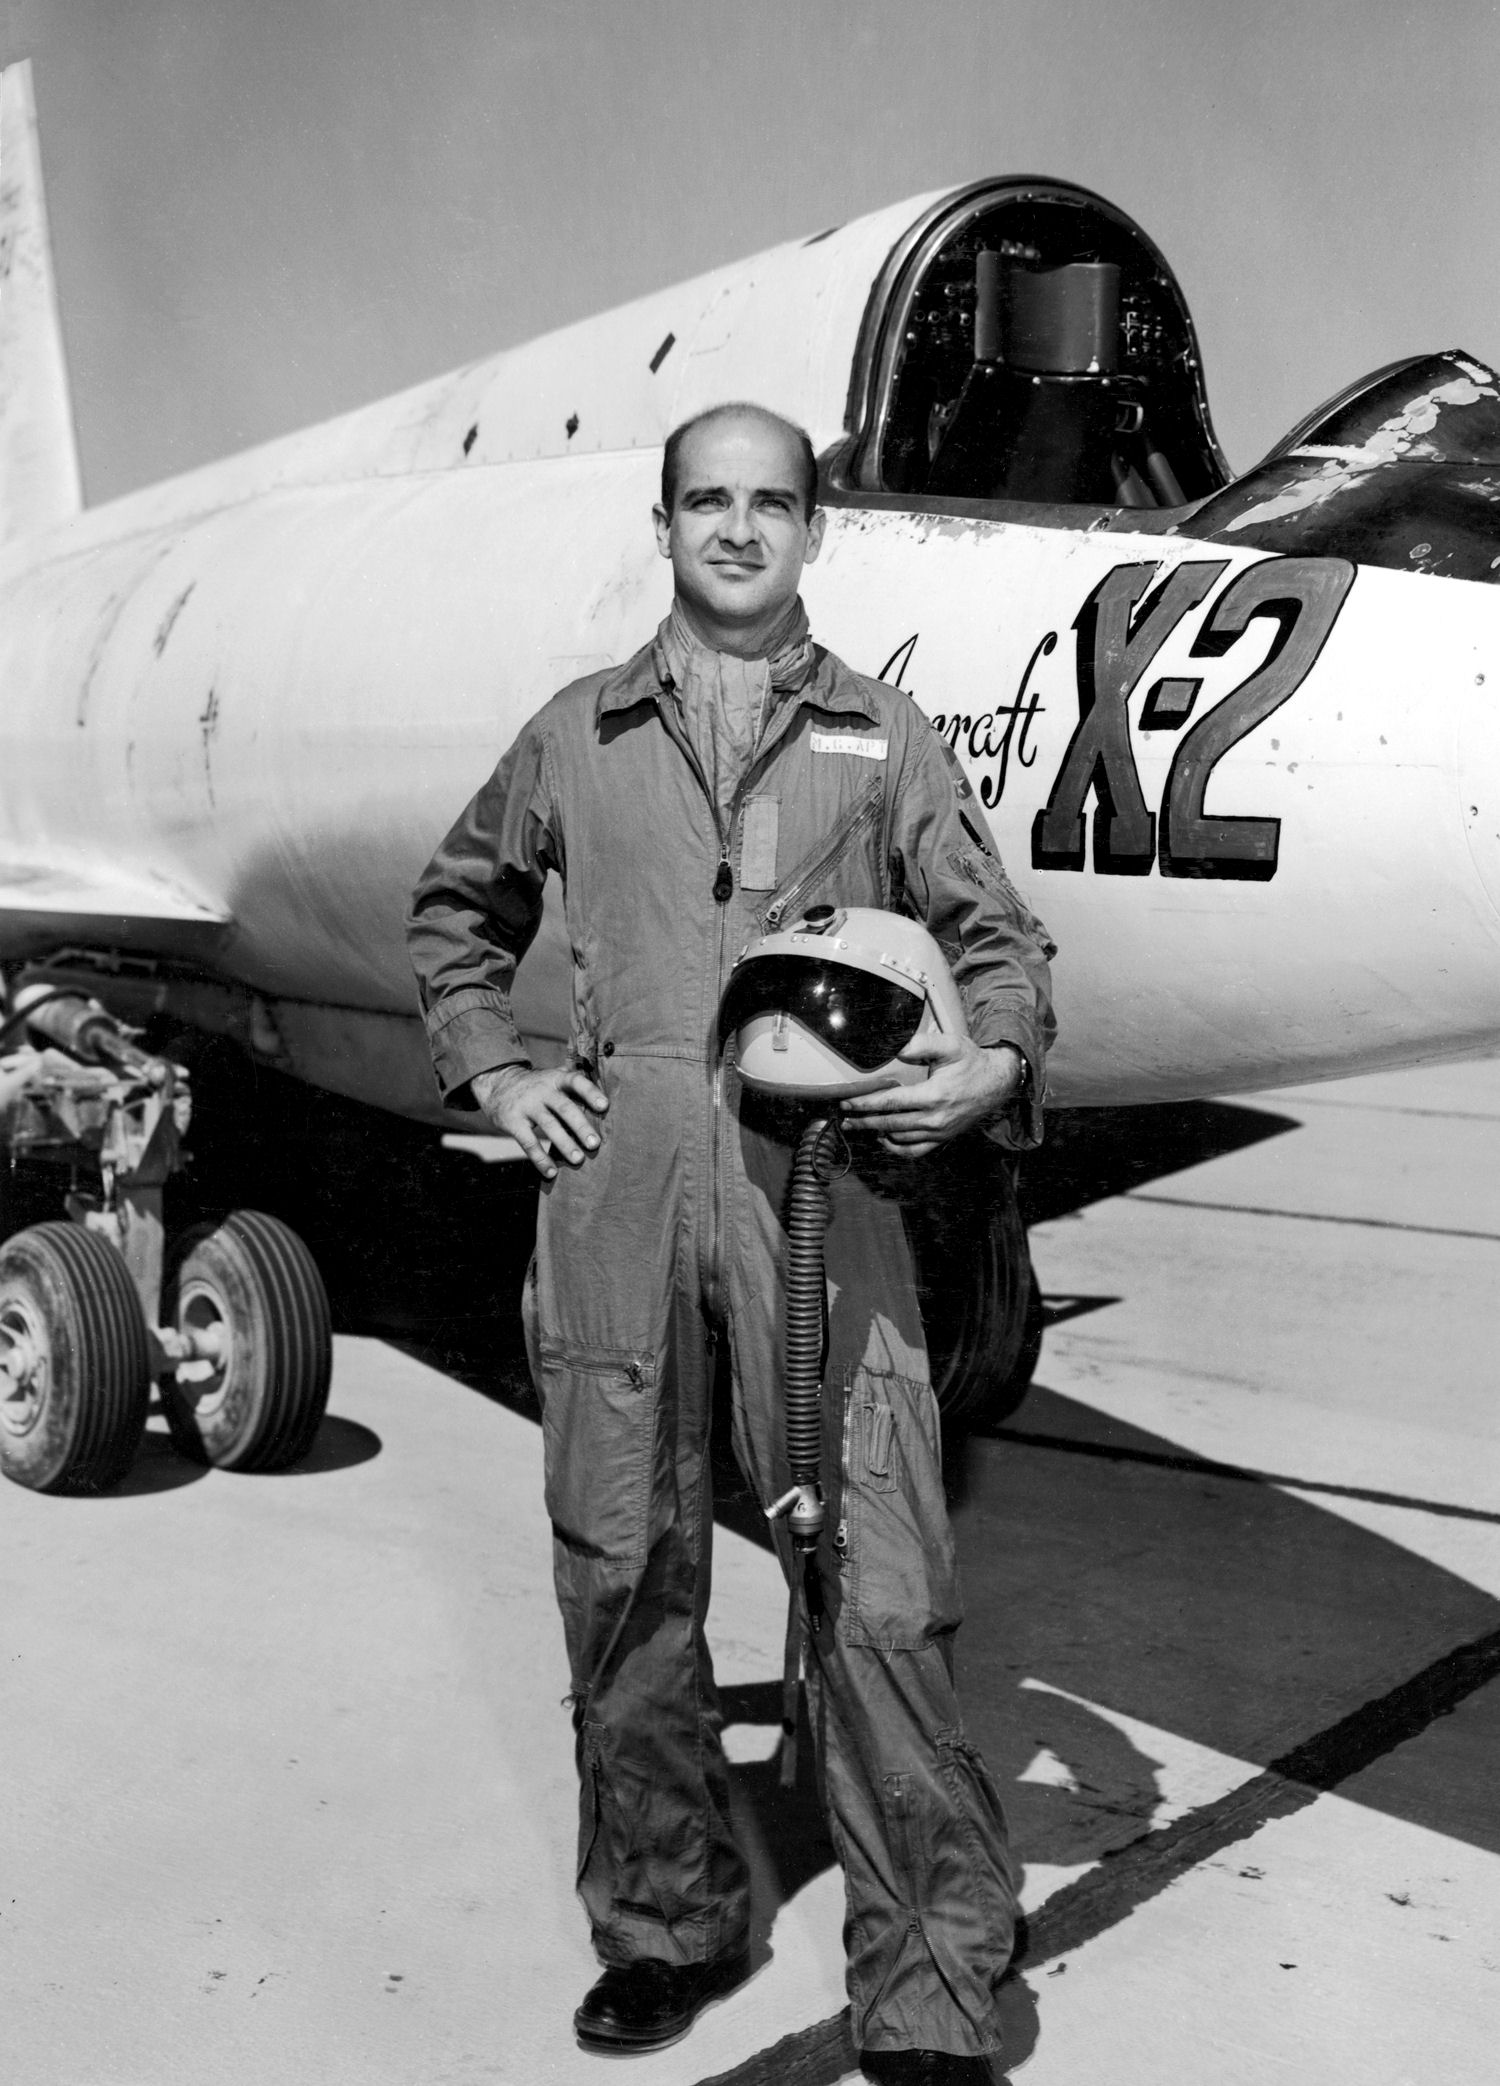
{"points": [[821, 1009]]}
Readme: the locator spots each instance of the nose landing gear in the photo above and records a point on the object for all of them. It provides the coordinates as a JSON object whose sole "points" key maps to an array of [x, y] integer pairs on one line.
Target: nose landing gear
{"points": [[233, 1324]]}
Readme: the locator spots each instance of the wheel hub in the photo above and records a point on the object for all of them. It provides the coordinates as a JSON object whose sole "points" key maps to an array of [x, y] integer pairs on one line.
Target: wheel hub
{"points": [[24, 1370], [203, 1321]]}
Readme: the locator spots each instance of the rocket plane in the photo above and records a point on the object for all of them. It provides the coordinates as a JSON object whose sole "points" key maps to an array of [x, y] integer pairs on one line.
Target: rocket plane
{"points": [[1239, 742]]}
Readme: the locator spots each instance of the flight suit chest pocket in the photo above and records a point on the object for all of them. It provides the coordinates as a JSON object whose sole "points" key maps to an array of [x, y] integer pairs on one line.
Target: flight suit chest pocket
{"points": [[599, 1451], [759, 824], [834, 856]]}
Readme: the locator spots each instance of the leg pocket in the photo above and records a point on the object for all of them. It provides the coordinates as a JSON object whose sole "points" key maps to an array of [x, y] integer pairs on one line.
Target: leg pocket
{"points": [[599, 1445], [902, 1574]]}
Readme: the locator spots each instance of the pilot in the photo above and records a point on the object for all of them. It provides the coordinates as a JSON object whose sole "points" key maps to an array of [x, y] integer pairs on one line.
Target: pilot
{"points": [[734, 769]]}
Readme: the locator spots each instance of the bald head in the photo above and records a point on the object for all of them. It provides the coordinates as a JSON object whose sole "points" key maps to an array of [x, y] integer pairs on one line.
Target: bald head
{"points": [[796, 437], [737, 519]]}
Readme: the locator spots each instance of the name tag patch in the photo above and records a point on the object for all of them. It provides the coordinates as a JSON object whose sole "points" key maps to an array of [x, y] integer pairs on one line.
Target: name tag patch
{"points": [[850, 742]]}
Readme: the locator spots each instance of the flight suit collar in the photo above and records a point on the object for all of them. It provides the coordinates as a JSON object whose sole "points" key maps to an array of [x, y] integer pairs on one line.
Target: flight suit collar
{"points": [[829, 685]]}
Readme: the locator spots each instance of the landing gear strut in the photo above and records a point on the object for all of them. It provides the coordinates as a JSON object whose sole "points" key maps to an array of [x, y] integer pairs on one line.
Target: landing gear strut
{"points": [[233, 1324]]}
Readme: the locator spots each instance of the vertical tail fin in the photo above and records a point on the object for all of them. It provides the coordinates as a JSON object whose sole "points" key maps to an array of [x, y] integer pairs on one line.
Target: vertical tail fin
{"points": [[39, 481]]}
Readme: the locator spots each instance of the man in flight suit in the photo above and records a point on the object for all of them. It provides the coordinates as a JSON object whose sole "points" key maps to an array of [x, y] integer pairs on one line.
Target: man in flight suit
{"points": [[727, 777]]}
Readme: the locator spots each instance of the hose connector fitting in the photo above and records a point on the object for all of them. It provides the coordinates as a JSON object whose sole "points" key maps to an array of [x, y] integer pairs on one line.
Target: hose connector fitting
{"points": [[803, 1511]]}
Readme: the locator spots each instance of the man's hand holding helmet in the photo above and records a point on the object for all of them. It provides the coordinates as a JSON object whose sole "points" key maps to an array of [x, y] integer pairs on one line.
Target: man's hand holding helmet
{"points": [[965, 1087]]}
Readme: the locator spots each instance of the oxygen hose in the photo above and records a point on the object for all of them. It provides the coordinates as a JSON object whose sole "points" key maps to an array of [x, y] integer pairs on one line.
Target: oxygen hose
{"points": [[808, 1209], [806, 1330]]}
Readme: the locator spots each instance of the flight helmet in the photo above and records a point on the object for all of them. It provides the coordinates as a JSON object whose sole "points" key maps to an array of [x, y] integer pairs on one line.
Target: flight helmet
{"points": [[822, 1008]]}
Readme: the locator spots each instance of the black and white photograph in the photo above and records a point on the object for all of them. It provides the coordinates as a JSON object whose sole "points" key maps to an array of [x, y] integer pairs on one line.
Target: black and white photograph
{"points": [[749, 1043]]}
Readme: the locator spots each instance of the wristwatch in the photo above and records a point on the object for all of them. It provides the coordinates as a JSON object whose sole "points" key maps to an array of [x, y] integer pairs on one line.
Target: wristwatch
{"points": [[1023, 1084], [1022, 1089]]}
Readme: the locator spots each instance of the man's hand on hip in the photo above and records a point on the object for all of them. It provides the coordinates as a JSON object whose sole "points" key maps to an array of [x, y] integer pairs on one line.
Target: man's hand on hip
{"points": [[966, 1086], [541, 1111]]}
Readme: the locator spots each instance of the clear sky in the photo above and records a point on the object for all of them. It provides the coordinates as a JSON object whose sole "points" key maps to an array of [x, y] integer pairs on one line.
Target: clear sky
{"points": [[265, 211]]}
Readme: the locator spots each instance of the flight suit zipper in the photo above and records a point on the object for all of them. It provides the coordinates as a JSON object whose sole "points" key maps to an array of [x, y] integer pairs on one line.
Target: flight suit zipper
{"points": [[723, 891], [841, 1533]]}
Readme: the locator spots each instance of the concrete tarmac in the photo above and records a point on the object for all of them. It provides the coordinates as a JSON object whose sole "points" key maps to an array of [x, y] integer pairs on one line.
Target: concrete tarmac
{"points": [[290, 1790]]}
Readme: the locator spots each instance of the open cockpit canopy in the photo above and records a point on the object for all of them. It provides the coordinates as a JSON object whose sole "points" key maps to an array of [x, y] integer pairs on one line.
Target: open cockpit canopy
{"points": [[1027, 343]]}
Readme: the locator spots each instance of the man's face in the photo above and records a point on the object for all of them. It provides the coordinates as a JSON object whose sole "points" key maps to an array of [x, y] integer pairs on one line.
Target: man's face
{"points": [[737, 537]]}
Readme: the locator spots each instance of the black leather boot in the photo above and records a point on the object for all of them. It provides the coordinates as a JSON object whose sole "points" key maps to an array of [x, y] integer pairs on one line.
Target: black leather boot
{"points": [[643, 2006]]}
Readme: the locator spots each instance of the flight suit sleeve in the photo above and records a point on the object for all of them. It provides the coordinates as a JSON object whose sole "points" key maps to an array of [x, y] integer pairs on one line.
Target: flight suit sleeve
{"points": [[474, 914], [997, 947]]}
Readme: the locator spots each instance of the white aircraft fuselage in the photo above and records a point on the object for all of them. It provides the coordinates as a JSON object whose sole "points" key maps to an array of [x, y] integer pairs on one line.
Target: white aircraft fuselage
{"points": [[1255, 797]]}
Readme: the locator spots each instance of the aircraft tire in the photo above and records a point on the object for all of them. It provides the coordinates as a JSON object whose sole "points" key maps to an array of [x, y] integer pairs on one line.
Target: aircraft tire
{"points": [[981, 1307], [75, 1367], [258, 1406]]}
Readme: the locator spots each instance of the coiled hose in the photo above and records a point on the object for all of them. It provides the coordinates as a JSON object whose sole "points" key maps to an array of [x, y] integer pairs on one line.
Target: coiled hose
{"points": [[808, 1209], [807, 1328]]}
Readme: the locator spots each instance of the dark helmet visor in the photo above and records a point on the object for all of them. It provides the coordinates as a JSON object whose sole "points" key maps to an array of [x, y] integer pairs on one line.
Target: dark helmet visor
{"points": [[866, 1019]]}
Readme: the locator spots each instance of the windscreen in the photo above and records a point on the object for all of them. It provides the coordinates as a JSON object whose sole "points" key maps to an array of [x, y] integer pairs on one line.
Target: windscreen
{"points": [[866, 1019]]}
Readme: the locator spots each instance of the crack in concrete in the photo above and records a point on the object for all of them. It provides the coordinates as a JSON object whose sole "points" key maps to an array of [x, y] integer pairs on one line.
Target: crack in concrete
{"points": [[1254, 1209], [1205, 1467]]}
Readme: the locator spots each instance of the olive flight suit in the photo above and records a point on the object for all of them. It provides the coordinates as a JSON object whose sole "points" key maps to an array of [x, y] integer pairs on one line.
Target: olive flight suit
{"points": [[669, 1239]]}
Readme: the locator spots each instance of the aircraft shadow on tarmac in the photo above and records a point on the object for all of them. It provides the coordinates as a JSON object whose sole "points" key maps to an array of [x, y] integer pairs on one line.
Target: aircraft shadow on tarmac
{"points": [[159, 1467], [1097, 1561]]}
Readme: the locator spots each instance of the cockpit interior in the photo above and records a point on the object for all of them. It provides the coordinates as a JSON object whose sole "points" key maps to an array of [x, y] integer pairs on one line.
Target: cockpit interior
{"points": [[1027, 344]]}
